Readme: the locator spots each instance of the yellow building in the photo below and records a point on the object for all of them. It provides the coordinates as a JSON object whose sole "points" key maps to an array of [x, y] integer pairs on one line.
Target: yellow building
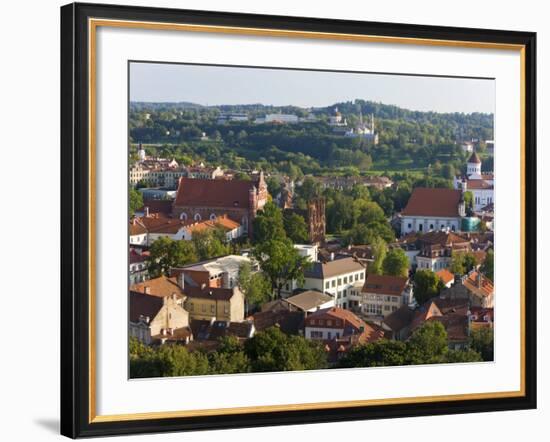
{"points": [[221, 304]]}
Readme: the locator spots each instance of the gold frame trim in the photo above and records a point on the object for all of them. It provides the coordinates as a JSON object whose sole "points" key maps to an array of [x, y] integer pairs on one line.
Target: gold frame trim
{"points": [[93, 24]]}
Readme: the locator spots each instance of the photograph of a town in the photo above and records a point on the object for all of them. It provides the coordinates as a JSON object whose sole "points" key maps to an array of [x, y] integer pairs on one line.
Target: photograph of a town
{"points": [[286, 220]]}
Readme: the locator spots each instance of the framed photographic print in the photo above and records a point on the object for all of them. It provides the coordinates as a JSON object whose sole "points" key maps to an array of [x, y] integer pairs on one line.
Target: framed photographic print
{"points": [[279, 220]]}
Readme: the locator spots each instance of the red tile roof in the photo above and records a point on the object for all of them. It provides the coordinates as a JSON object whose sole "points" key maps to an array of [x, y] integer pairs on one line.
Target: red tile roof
{"points": [[433, 202], [483, 286], [213, 193], [160, 287], [479, 184], [348, 318], [384, 284], [445, 276]]}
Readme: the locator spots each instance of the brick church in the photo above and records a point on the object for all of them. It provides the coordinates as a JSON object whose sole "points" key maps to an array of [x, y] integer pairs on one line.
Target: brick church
{"points": [[203, 199]]}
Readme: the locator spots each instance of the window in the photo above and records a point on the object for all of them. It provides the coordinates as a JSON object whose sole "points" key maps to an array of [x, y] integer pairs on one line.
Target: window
{"points": [[345, 279], [395, 298], [334, 283], [329, 335], [316, 334], [420, 226], [386, 308], [357, 276], [212, 309], [345, 293], [387, 298], [327, 285], [361, 276], [409, 226], [203, 308], [197, 217], [329, 322], [431, 226], [339, 281]]}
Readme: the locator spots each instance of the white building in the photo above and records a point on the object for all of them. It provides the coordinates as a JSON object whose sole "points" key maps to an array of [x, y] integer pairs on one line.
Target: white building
{"points": [[383, 294], [430, 209], [278, 118], [310, 251], [481, 185], [336, 277]]}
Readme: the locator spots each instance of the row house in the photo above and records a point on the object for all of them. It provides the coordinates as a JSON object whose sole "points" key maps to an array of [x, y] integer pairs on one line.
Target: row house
{"points": [[382, 295]]}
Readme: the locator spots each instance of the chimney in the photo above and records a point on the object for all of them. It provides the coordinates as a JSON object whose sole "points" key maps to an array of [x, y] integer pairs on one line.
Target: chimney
{"points": [[147, 290], [332, 256], [181, 280], [146, 211]]}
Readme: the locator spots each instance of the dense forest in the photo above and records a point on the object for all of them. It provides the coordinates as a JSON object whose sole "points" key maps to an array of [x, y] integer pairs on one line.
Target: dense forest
{"points": [[408, 140]]}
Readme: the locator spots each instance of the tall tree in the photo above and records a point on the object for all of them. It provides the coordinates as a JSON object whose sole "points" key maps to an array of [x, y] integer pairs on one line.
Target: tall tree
{"points": [[135, 200], [208, 244], [481, 340], [165, 253], [428, 344], [281, 262], [273, 350], [426, 285], [396, 263], [488, 265], [295, 228], [256, 286], [268, 224], [379, 249]]}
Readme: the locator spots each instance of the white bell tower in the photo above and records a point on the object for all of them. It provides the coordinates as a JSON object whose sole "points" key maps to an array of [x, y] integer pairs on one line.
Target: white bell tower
{"points": [[474, 167]]}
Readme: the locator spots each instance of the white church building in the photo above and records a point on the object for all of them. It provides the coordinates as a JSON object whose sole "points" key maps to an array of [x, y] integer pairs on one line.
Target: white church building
{"points": [[481, 185]]}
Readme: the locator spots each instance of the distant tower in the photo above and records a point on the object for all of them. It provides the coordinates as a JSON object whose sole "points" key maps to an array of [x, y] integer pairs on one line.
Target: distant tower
{"points": [[372, 123], [141, 152], [473, 168]]}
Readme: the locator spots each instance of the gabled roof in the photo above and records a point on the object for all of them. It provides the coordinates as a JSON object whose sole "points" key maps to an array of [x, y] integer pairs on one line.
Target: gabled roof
{"points": [[333, 268], [479, 284], [399, 319], [426, 201], [442, 238], [137, 227], [213, 193], [160, 287], [385, 284], [143, 306], [350, 321]]}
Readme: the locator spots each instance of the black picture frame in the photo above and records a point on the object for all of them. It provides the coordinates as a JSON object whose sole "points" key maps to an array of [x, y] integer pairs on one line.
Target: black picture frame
{"points": [[75, 220]]}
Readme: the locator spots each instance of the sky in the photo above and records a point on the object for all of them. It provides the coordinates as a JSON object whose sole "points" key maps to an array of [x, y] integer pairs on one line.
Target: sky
{"points": [[216, 85]]}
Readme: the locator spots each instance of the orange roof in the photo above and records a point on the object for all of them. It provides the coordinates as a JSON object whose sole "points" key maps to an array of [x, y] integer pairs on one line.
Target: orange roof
{"points": [[426, 201], [479, 184], [213, 193], [160, 287], [222, 221], [137, 227], [445, 276], [483, 286]]}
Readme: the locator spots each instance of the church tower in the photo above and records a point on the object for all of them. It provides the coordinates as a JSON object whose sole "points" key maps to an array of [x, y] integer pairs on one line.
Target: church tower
{"points": [[141, 152], [473, 169]]}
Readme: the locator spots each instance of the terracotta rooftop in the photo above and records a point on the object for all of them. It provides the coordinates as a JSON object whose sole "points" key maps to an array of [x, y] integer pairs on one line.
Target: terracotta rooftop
{"points": [[385, 284], [213, 193], [350, 321], [426, 201], [160, 287], [482, 286], [442, 238], [445, 276], [157, 206], [479, 184], [289, 322], [137, 227]]}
